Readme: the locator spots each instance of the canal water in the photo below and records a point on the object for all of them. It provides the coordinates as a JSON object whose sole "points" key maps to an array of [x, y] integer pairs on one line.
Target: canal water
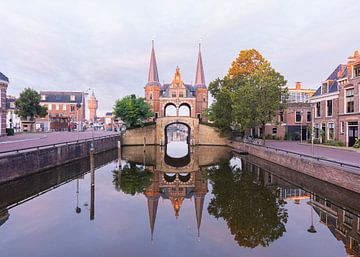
{"points": [[176, 201]]}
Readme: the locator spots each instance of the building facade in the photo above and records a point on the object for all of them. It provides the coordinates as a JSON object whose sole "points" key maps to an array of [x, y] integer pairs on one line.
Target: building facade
{"points": [[299, 94], [176, 98], [4, 82], [65, 110], [336, 104], [92, 105], [12, 119]]}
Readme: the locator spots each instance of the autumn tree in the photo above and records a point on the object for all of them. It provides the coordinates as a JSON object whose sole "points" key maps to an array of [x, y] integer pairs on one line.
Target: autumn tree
{"points": [[247, 63]]}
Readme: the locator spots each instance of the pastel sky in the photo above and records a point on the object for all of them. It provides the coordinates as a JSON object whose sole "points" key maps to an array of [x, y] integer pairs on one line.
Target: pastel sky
{"points": [[105, 45]]}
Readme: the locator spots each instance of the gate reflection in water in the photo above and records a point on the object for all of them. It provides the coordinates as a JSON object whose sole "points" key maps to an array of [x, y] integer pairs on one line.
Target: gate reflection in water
{"points": [[216, 205]]}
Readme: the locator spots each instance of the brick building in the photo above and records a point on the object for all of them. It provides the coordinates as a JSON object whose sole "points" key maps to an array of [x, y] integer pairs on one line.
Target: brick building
{"points": [[293, 121], [92, 105], [65, 110], [336, 104], [176, 98], [4, 82]]}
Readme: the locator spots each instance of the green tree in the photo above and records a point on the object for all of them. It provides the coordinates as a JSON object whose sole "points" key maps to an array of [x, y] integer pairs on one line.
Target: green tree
{"points": [[247, 63], [132, 110], [132, 179], [28, 105], [253, 213]]}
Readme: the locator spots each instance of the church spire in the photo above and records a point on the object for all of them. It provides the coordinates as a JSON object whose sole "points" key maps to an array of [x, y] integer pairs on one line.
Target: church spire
{"points": [[199, 204], [153, 79], [200, 77], [152, 207]]}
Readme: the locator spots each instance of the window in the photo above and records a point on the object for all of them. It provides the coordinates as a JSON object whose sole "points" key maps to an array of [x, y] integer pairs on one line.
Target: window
{"points": [[72, 98], [329, 107], [342, 127], [204, 99], [324, 88], [331, 131], [350, 100], [355, 245], [57, 107], [274, 131], [318, 109], [50, 107], [181, 94], [43, 97], [308, 116], [298, 116], [281, 116], [150, 96], [64, 107], [357, 70], [348, 218], [173, 94], [316, 131], [72, 108]]}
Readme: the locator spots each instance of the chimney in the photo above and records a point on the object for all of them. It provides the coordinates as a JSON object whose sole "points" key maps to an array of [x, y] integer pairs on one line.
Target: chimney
{"points": [[298, 85]]}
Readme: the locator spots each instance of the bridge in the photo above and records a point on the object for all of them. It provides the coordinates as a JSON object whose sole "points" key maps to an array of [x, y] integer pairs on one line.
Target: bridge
{"points": [[155, 134]]}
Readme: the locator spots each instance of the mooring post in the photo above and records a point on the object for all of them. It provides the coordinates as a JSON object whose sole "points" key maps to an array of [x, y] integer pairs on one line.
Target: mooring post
{"points": [[144, 144], [92, 185]]}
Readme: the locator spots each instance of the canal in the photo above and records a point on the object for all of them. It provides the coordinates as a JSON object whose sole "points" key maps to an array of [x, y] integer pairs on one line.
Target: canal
{"points": [[176, 201]]}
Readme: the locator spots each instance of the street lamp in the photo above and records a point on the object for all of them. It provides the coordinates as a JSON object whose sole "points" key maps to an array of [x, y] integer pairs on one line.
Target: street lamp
{"points": [[311, 229], [301, 122], [78, 106], [312, 128]]}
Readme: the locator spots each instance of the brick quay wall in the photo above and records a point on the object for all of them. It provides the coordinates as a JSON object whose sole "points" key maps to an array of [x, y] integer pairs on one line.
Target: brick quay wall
{"points": [[342, 176], [15, 165]]}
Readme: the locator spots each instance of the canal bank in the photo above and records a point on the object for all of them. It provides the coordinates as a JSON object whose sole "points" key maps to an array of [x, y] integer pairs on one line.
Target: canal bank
{"points": [[337, 173], [26, 161]]}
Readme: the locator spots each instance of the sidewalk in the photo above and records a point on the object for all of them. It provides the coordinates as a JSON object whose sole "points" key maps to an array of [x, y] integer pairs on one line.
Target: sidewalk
{"points": [[21, 141], [341, 155]]}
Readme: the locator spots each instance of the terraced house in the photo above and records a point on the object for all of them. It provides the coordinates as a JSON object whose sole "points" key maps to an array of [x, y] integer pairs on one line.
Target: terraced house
{"points": [[4, 81], [336, 104]]}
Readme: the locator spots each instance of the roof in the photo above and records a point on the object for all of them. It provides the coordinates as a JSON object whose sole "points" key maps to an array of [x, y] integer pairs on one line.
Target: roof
{"points": [[108, 114], [190, 90], [153, 78], [340, 72], [4, 78], [200, 77], [62, 97]]}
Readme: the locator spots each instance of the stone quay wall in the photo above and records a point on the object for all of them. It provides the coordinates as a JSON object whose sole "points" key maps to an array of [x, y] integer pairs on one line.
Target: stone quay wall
{"points": [[26, 162], [332, 173]]}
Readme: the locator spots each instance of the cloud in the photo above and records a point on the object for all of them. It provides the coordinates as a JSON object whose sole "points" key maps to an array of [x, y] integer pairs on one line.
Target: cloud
{"points": [[105, 45]]}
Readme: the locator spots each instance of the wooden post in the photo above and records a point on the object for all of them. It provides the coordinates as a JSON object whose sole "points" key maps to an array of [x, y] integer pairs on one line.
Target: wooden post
{"points": [[92, 185]]}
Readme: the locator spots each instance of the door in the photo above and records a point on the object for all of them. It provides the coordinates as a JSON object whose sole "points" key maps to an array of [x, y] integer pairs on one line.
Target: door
{"points": [[353, 133]]}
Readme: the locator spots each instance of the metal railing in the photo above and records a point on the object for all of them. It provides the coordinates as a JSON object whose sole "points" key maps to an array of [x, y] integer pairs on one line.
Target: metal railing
{"points": [[36, 148], [317, 158]]}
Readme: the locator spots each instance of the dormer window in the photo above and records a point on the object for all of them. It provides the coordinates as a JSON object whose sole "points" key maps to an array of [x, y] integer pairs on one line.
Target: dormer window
{"points": [[324, 88], [357, 70]]}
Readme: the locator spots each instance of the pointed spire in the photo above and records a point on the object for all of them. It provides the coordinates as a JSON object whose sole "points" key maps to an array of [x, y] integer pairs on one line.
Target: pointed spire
{"points": [[152, 207], [153, 79], [199, 204], [200, 77]]}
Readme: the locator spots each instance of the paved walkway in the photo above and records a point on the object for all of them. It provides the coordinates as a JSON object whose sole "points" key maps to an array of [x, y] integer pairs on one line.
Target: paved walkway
{"points": [[21, 141], [335, 154]]}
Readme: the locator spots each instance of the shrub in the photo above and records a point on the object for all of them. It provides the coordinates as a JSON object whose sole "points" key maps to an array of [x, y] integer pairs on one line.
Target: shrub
{"points": [[357, 143], [10, 131]]}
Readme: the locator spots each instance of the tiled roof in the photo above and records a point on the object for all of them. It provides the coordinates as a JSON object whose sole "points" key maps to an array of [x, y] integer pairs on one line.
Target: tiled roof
{"points": [[62, 97], [318, 92], [108, 114], [190, 90], [334, 76], [4, 78]]}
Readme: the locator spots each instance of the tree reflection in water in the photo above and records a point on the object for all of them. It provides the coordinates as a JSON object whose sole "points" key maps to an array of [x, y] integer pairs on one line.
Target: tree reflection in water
{"points": [[254, 214], [132, 179]]}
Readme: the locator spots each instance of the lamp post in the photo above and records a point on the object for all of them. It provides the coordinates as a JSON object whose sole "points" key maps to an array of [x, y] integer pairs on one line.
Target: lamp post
{"points": [[311, 229], [78, 106], [77, 209], [301, 121], [312, 129]]}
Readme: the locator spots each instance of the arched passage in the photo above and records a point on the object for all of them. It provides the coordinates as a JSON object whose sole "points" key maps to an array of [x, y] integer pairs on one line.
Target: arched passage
{"points": [[170, 110], [177, 144], [185, 110]]}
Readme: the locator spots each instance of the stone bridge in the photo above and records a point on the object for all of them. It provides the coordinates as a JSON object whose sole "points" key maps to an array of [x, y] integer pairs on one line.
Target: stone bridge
{"points": [[200, 134]]}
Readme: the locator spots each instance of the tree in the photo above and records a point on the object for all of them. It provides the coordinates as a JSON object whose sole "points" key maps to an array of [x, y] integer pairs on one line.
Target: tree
{"points": [[253, 213], [28, 105], [249, 95], [132, 111], [132, 179]]}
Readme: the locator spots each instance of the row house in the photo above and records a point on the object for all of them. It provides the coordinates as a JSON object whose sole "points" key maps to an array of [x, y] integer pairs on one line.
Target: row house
{"points": [[292, 122], [65, 109], [336, 104], [4, 82]]}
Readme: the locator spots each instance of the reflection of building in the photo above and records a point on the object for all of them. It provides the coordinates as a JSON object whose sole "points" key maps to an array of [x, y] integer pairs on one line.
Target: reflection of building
{"points": [[176, 187], [343, 224], [62, 110], [177, 132], [4, 81], [185, 99]]}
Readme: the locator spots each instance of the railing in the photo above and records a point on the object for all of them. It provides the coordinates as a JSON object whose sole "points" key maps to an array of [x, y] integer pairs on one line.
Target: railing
{"points": [[35, 148], [342, 164]]}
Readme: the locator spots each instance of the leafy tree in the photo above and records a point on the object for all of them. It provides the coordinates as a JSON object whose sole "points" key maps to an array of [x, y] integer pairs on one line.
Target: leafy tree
{"points": [[28, 105], [132, 179], [132, 110], [253, 213], [247, 63]]}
